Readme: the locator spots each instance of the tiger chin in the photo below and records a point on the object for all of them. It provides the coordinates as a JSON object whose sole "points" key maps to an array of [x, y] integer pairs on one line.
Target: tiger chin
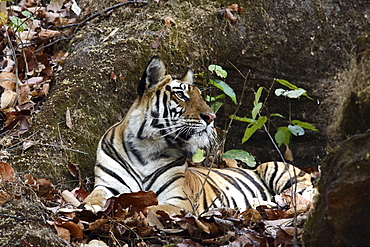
{"points": [[148, 149]]}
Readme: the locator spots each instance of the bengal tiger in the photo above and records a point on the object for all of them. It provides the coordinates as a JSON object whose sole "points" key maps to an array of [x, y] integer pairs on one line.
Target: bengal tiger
{"points": [[149, 148]]}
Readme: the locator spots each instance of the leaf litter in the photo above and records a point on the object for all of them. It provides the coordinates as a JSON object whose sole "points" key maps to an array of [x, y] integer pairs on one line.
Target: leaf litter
{"points": [[27, 70]]}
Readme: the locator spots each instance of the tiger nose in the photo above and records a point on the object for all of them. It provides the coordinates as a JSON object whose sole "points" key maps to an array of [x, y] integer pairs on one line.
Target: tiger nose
{"points": [[207, 117]]}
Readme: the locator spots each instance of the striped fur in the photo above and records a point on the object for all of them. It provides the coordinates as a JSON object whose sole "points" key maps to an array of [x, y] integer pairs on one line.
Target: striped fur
{"points": [[148, 149]]}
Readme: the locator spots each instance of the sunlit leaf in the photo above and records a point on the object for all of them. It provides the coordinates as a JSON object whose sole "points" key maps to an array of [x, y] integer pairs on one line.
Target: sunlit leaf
{"points": [[290, 86], [242, 155], [220, 96], [249, 131], [296, 130], [257, 96], [243, 119], [293, 94], [304, 125], [218, 70], [256, 109], [286, 83], [198, 156], [276, 115], [225, 88]]}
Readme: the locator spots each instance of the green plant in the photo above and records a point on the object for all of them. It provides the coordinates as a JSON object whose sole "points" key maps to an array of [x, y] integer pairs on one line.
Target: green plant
{"points": [[284, 133]]}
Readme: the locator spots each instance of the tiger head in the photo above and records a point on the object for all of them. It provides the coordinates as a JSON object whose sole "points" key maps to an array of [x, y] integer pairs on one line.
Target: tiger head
{"points": [[174, 110]]}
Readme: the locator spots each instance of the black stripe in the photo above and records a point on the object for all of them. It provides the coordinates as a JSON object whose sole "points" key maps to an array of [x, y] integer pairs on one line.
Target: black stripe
{"points": [[157, 94], [154, 176], [136, 153], [215, 189], [112, 190], [111, 151], [140, 132], [168, 183], [250, 178], [232, 182], [113, 174], [272, 178]]}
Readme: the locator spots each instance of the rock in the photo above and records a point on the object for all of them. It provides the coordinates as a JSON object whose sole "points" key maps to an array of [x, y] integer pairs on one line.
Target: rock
{"points": [[341, 215]]}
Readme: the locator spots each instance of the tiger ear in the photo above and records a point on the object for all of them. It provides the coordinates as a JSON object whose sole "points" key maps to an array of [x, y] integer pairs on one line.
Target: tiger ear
{"points": [[153, 73], [188, 77]]}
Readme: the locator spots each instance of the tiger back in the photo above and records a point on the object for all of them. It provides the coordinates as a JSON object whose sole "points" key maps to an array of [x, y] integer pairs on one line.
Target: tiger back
{"points": [[148, 150]]}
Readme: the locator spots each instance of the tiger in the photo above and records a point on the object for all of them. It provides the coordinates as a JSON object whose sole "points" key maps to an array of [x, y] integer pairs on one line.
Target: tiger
{"points": [[150, 148]]}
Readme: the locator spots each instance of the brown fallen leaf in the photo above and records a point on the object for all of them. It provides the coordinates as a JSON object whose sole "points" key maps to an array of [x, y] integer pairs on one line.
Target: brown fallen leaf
{"points": [[6, 172], [74, 229], [288, 155], [7, 80], [8, 99], [230, 16], [168, 21], [27, 144], [68, 197], [4, 197], [251, 215], [230, 162], [68, 119]]}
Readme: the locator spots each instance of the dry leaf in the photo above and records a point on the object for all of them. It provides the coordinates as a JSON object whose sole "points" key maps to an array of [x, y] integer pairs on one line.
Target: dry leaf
{"points": [[4, 197], [27, 144], [153, 220], [230, 16], [95, 243], [74, 169], [73, 228], [7, 80], [68, 119], [55, 5], [97, 223], [63, 233], [113, 76], [24, 94], [233, 7], [6, 172], [251, 215], [168, 21], [230, 162], [8, 99], [288, 155], [69, 198]]}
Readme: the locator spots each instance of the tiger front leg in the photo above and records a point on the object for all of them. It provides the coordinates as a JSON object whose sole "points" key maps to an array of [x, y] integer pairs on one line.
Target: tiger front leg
{"points": [[95, 201]]}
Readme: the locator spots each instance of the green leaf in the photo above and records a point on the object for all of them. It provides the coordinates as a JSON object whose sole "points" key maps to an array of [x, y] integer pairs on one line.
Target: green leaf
{"points": [[243, 119], [293, 94], [256, 109], [215, 105], [287, 84], [257, 96], [242, 155], [210, 99], [17, 23], [296, 130], [276, 115], [225, 88], [290, 86], [283, 135], [198, 156], [304, 125], [27, 13], [249, 131], [218, 70]]}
